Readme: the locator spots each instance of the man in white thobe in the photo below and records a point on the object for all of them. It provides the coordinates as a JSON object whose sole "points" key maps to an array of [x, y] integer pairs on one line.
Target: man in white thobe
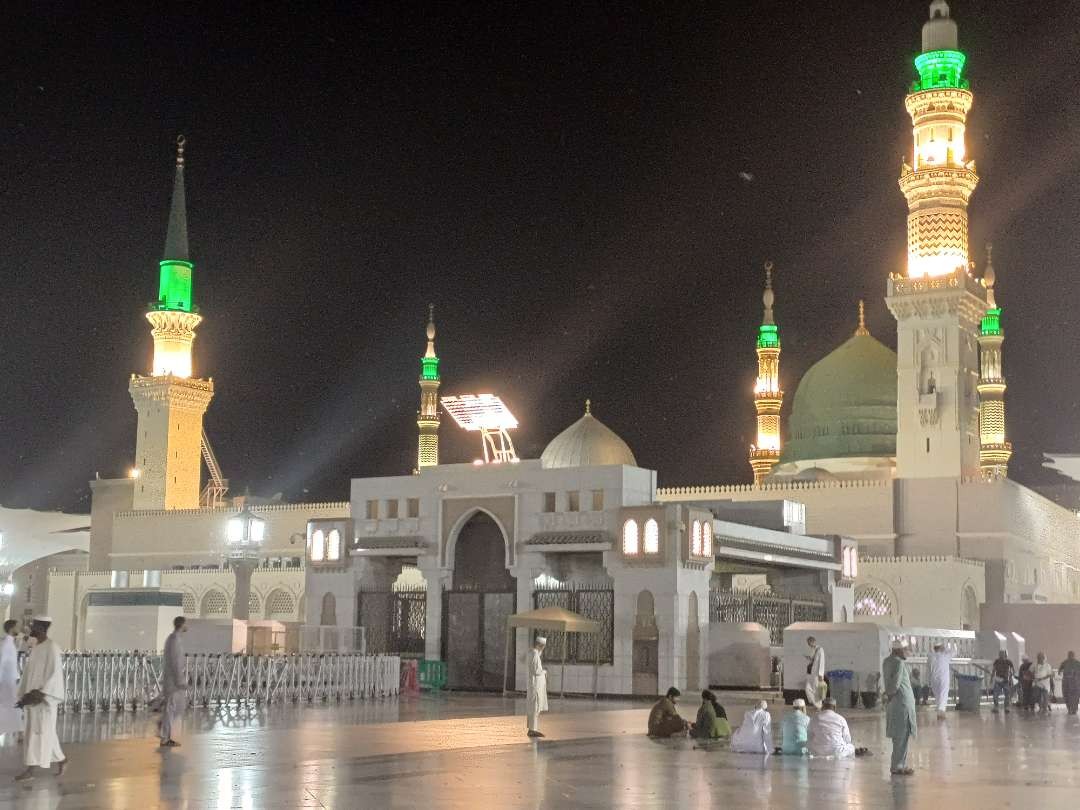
{"points": [[41, 691], [11, 719], [815, 673], [754, 736], [173, 684], [829, 735], [940, 663], [536, 687]]}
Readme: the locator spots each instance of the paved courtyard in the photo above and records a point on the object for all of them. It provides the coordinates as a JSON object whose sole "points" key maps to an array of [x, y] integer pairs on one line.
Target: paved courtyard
{"points": [[462, 751]]}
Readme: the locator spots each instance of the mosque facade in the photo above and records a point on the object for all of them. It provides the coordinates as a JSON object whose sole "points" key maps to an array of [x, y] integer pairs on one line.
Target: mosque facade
{"points": [[906, 451], [885, 499]]}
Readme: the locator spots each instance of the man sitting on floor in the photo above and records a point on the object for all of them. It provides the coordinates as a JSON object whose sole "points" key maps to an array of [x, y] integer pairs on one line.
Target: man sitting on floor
{"points": [[830, 735], [664, 721], [793, 729]]}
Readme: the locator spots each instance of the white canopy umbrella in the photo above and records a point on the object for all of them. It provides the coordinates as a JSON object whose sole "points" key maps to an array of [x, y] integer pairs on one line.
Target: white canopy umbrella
{"points": [[27, 535], [552, 619]]}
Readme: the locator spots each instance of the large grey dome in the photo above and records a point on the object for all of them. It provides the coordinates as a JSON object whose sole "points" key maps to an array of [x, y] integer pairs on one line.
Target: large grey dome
{"points": [[587, 443]]}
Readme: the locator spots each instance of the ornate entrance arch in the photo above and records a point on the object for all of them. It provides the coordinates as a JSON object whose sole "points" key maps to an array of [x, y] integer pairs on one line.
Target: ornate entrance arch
{"points": [[481, 597]]}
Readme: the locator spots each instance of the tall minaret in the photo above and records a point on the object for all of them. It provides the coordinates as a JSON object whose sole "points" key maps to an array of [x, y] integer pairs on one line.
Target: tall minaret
{"points": [[170, 401], [938, 306], [767, 394], [427, 418], [994, 449]]}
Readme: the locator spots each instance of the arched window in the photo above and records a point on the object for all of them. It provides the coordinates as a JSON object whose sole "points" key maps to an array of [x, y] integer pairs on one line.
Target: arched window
{"points": [[695, 539], [706, 540], [253, 605], [870, 601], [854, 562], [652, 536], [189, 603], [329, 610], [318, 546], [215, 603], [630, 537], [280, 604], [333, 545]]}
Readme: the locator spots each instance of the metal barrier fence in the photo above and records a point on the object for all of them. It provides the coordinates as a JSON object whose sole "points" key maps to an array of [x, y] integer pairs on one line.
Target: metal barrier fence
{"points": [[126, 681], [596, 602]]}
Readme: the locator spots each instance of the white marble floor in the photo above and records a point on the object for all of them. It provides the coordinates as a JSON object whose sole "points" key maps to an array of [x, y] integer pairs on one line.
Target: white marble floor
{"points": [[461, 751]]}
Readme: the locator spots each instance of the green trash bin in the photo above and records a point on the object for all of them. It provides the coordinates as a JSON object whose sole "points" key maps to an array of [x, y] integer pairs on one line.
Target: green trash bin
{"points": [[968, 693]]}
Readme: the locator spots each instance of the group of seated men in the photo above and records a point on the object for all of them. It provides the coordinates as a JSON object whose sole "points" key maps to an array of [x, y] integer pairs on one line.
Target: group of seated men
{"points": [[826, 734]]}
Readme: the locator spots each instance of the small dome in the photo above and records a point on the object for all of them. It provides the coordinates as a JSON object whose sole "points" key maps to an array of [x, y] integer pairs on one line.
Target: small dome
{"points": [[845, 405], [587, 443]]}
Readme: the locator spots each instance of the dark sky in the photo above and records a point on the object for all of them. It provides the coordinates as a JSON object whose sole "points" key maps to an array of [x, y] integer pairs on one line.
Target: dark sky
{"points": [[587, 193]]}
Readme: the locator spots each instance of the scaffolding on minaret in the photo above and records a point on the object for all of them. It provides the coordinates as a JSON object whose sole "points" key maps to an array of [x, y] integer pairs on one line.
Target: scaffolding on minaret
{"points": [[427, 418], [994, 449], [768, 397]]}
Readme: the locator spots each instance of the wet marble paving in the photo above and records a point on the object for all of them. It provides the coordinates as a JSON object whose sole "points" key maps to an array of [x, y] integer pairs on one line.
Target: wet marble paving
{"points": [[462, 751]]}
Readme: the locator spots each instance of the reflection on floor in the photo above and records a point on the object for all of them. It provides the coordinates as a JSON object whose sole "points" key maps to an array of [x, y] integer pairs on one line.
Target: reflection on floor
{"points": [[471, 752]]}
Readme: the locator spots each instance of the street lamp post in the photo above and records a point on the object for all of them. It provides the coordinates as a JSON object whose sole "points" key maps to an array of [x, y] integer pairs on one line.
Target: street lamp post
{"points": [[243, 547]]}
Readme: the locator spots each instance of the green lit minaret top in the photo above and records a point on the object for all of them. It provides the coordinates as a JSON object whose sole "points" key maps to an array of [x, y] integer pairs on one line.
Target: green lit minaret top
{"points": [[991, 321], [768, 332], [174, 290], [429, 363], [940, 65]]}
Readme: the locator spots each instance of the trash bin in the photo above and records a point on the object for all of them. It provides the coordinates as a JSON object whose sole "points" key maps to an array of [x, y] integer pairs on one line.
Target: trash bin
{"points": [[841, 686], [968, 692]]}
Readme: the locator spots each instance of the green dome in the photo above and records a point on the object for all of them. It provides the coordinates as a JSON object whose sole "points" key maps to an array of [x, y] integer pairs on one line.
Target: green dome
{"points": [[845, 405]]}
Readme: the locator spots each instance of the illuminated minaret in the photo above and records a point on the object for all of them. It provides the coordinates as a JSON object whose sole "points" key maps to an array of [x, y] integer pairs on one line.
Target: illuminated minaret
{"points": [[940, 180], [170, 401], [427, 418], [767, 394], [937, 304], [994, 449]]}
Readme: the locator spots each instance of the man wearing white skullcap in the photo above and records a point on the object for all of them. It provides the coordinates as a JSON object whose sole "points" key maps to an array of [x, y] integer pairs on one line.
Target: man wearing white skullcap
{"points": [[754, 736], [41, 691], [900, 723], [536, 687]]}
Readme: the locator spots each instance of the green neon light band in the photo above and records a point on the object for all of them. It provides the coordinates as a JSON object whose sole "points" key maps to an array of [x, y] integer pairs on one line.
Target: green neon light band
{"points": [[940, 69], [768, 336], [991, 322], [429, 368], [174, 290]]}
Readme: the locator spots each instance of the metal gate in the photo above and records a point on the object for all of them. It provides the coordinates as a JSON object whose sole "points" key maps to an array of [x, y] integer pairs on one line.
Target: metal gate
{"points": [[772, 610], [474, 638], [394, 621]]}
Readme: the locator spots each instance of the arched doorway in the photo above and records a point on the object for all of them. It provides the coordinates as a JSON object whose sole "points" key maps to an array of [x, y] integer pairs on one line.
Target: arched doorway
{"points": [[693, 644], [328, 615], [481, 597], [969, 609], [646, 671]]}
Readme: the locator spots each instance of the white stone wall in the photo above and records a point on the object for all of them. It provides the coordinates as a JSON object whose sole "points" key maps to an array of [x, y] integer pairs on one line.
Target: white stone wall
{"points": [[861, 510], [155, 539], [924, 591], [68, 590]]}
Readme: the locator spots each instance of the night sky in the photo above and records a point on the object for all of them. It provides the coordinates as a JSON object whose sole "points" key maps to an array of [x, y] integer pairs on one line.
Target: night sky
{"points": [[587, 194]]}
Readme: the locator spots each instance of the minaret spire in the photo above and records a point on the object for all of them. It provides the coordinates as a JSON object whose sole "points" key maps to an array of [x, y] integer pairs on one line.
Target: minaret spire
{"points": [[767, 394], [861, 329], [170, 400], [176, 238], [940, 180], [994, 449], [427, 418]]}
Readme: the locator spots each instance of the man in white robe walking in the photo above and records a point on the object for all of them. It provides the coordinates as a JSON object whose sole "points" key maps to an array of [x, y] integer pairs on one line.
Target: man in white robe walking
{"points": [[11, 718], [173, 684], [536, 687], [940, 664], [815, 673], [41, 691]]}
